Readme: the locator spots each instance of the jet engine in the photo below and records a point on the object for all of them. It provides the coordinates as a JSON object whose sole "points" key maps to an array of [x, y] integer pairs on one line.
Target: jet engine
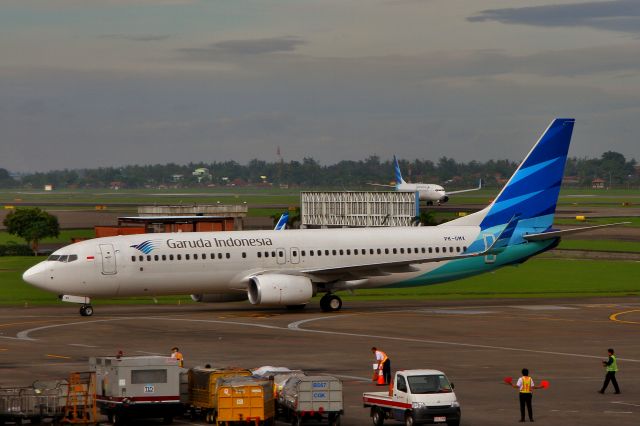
{"points": [[279, 289], [219, 297]]}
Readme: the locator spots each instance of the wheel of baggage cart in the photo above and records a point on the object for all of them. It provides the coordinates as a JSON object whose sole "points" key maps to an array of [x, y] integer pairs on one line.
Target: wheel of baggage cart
{"points": [[210, 417], [334, 419], [377, 416], [119, 420], [296, 420], [408, 419]]}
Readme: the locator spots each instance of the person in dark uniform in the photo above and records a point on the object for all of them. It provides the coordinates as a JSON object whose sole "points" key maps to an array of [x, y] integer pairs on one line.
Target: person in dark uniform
{"points": [[611, 365], [525, 387]]}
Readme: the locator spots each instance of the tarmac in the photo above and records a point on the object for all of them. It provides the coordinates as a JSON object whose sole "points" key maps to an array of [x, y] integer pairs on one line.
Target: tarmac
{"points": [[476, 343]]}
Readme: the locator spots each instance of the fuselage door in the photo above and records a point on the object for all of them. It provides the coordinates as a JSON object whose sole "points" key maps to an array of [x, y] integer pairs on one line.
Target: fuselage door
{"points": [[281, 256], [108, 259], [294, 255], [488, 240]]}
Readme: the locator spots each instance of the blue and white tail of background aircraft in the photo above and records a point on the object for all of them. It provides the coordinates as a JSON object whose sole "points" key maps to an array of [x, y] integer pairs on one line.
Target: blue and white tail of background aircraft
{"points": [[270, 267]]}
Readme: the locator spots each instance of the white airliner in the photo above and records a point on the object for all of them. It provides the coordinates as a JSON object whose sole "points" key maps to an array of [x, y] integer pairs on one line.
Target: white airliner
{"points": [[288, 268], [429, 192]]}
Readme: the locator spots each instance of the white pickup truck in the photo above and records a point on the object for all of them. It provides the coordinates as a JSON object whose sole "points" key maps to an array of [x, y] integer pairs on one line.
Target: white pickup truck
{"points": [[417, 396]]}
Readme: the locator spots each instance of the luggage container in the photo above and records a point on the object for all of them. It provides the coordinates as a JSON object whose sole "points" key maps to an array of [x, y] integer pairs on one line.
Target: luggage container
{"points": [[246, 400], [137, 387], [279, 375], [311, 397], [203, 390], [40, 401]]}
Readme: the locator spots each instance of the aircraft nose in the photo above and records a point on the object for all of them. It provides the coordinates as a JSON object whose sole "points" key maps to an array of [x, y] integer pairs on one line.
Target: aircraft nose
{"points": [[37, 276]]}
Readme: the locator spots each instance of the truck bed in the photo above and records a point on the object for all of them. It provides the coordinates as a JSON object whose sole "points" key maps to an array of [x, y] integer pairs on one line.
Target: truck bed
{"points": [[382, 399]]}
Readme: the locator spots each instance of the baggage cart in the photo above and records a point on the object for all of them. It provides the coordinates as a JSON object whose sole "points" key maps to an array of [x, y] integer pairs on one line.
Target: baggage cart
{"points": [[43, 400], [203, 390], [246, 400], [312, 397]]}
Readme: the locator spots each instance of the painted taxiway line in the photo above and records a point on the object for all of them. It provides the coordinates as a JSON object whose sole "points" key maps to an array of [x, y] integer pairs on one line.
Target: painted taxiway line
{"points": [[295, 327]]}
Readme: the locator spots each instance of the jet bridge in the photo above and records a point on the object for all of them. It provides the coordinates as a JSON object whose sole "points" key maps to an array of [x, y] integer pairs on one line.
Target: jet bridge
{"points": [[351, 209]]}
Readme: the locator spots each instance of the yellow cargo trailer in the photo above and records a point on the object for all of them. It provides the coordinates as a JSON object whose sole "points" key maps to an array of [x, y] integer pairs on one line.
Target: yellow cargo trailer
{"points": [[247, 400], [203, 389]]}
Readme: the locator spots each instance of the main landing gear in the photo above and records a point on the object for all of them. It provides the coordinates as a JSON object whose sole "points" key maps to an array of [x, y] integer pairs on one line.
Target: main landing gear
{"points": [[86, 310], [330, 303]]}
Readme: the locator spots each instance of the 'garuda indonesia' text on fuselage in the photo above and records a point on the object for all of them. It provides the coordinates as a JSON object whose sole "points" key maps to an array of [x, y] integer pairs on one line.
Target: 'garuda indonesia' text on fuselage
{"points": [[288, 268]]}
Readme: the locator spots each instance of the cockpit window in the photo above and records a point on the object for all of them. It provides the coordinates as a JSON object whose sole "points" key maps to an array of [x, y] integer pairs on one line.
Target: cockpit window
{"points": [[63, 258]]}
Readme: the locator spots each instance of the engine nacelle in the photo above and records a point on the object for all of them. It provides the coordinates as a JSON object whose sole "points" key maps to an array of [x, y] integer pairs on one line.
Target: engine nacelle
{"points": [[279, 289], [218, 297]]}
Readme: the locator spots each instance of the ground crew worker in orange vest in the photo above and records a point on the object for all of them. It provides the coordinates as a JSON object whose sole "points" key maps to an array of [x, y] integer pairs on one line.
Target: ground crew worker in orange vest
{"points": [[175, 354], [525, 385], [384, 364]]}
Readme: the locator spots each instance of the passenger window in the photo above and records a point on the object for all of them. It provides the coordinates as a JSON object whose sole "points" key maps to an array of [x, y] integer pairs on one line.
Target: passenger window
{"points": [[319, 252], [195, 256], [228, 255], [386, 251], [355, 251], [164, 257], [179, 256], [458, 249], [149, 258], [437, 249], [464, 248], [423, 250], [219, 255], [203, 256], [341, 252], [259, 254], [294, 253], [402, 250], [395, 251], [155, 257], [140, 258], [212, 256], [415, 250], [244, 255], [303, 253], [186, 256], [133, 258], [430, 250], [326, 253], [170, 257], [334, 252], [310, 252], [273, 254]]}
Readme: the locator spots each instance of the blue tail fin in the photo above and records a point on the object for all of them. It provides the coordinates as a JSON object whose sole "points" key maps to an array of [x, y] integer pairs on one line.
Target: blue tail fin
{"points": [[399, 179], [282, 222], [532, 192]]}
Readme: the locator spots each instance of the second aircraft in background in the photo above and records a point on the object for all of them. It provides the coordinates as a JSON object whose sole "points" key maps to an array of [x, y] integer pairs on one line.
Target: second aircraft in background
{"points": [[429, 192]]}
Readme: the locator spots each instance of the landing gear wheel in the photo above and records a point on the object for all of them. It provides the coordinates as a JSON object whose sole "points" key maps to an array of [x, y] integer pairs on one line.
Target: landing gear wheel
{"points": [[86, 310], [330, 303]]}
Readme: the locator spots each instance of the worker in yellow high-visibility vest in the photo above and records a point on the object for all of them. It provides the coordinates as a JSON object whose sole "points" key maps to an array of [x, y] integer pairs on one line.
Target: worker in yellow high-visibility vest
{"points": [[384, 364], [525, 386], [611, 365]]}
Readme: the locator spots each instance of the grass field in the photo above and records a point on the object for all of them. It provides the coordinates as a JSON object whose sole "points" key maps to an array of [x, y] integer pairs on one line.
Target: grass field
{"points": [[536, 278], [601, 245]]}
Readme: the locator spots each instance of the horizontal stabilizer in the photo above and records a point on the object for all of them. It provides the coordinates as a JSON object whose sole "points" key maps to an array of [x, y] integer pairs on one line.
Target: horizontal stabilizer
{"points": [[557, 234]]}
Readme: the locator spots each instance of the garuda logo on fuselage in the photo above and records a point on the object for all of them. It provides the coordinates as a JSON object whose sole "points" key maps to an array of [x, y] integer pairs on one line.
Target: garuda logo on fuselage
{"points": [[146, 246]]}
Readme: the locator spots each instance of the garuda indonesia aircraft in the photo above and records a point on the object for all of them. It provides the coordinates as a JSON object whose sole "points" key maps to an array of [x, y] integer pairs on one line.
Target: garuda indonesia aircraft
{"points": [[289, 267], [429, 192]]}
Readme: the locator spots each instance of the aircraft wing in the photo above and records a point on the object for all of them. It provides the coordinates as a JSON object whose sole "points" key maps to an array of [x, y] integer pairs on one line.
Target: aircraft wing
{"points": [[385, 268], [381, 184], [466, 190], [557, 234]]}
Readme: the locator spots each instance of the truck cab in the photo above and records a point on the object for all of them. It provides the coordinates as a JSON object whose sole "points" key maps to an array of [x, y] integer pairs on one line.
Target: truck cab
{"points": [[415, 397]]}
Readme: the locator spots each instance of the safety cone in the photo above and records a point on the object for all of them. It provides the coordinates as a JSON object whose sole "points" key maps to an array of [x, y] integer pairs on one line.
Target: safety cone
{"points": [[380, 378]]}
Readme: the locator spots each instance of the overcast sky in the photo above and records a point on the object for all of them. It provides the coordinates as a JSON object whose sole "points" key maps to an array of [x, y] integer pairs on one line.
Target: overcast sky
{"points": [[87, 83]]}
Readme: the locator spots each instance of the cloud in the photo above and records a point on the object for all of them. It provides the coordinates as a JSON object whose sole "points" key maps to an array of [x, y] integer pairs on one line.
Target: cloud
{"points": [[615, 15], [139, 37], [243, 48]]}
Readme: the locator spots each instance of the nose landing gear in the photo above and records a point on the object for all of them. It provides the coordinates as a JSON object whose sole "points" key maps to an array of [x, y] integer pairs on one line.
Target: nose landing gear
{"points": [[330, 303], [86, 310]]}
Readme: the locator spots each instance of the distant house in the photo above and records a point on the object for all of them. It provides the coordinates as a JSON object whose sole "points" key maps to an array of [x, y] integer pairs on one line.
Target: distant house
{"points": [[116, 185], [570, 180], [177, 178], [597, 183]]}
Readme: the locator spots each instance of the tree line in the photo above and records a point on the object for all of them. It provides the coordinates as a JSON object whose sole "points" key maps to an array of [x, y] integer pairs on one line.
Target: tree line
{"points": [[612, 167]]}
